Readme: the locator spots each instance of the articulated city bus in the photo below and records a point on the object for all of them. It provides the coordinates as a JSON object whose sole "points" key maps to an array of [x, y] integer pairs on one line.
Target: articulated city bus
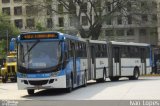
{"points": [[51, 60], [55, 60]]}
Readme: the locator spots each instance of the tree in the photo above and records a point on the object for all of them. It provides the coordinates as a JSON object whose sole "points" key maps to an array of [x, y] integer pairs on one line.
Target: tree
{"points": [[6, 29], [93, 12], [39, 27], [5, 25]]}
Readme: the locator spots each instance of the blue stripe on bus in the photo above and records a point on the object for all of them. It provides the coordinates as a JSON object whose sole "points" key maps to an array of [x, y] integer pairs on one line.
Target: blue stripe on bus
{"points": [[46, 75], [69, 66]]}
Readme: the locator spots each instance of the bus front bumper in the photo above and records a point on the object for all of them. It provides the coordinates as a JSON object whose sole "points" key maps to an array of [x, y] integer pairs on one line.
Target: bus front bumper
{"points": [[41, 83]]}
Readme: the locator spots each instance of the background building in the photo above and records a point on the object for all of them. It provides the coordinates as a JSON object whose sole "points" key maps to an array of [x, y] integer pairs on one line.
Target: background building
{"points": [[134, 26]]}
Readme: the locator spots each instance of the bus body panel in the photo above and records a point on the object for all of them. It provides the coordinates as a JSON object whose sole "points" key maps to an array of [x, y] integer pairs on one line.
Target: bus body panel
{"points": [[128, 65], [101, 64]]}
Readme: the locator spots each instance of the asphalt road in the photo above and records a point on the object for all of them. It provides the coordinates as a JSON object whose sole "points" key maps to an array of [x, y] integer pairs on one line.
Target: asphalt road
{"points": [[146, 88]]}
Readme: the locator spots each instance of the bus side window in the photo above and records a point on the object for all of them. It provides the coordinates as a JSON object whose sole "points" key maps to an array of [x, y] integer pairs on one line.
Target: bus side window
{"points": [[136, 52], [143, 55], [117, 54], [123, 52], [93, 53], [66, 52], [84, 51], [70, 48], [148, 52]]}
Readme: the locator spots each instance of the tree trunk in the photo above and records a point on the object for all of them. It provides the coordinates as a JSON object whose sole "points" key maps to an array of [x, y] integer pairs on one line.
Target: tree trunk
{"points": [[95, 31]]}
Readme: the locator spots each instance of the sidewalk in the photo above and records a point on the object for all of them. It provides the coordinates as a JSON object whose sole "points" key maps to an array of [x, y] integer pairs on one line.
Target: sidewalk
{"points": [[149, 75]]}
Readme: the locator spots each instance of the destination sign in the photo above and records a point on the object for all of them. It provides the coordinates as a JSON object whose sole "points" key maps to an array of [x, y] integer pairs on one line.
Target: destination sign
{"points": [[38, 36]]}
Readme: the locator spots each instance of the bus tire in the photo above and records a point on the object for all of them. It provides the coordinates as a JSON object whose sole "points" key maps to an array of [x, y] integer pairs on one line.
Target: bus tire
{"points": [[85, 80], [30, 91], [13, 79], [4, 79], [114, 78], [136, 74]]}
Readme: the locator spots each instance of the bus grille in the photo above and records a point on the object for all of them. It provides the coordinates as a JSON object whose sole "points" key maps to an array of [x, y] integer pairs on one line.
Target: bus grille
{"points": [[11, 69], [40, 82]]}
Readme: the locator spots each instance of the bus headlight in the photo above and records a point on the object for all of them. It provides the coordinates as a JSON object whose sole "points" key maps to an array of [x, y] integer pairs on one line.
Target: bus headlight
{"points": [[54, 74]]}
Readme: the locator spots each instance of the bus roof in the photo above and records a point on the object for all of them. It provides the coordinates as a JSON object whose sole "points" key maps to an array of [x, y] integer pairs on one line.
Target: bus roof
{"points": [[73, 37], [129, 43], [97, 41]]}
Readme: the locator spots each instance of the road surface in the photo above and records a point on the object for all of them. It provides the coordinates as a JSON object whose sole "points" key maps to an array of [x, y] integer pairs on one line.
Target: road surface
{"points": [[146, 88]]}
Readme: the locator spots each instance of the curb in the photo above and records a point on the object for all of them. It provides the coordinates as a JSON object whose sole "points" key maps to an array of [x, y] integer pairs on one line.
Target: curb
{"points": [[151, 75]]}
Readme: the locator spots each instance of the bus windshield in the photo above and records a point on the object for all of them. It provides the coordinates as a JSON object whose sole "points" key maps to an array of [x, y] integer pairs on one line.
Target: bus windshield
{"points": [[39, 55]]}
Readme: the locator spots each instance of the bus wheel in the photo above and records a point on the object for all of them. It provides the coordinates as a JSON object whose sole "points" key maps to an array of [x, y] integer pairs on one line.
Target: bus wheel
{"points": [[30, 91], [85, 80], [14, 79], [4, 79], [70, 88], [136, 74], [114, 78]]}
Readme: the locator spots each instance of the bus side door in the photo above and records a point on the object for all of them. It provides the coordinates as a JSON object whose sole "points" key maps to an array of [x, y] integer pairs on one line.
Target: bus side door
{"points": [[117, 61], [93, 62]]}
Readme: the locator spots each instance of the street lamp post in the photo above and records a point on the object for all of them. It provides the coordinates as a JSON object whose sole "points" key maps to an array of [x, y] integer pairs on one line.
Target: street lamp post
{"points": [[7, 40], [7, 37]]}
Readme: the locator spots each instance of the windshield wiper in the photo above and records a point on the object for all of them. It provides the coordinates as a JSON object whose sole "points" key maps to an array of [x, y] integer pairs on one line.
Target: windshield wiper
{"points": [[31, 47]]}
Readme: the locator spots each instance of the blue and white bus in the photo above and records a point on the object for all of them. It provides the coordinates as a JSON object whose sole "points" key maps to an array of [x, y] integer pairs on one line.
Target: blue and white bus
{"points": [[55, 60], [51, 60]]}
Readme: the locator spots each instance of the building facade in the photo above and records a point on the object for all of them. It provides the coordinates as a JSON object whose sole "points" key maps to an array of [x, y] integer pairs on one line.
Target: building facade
{"points": [[132, 27]]}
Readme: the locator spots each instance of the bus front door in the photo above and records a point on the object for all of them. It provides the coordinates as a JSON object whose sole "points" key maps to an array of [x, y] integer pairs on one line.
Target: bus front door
{"points": [[116, 62]]}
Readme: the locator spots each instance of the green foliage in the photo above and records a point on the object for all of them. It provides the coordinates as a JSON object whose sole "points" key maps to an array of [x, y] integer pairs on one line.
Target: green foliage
{"points": [[6, 28], [39, 27], [3, 48]]}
